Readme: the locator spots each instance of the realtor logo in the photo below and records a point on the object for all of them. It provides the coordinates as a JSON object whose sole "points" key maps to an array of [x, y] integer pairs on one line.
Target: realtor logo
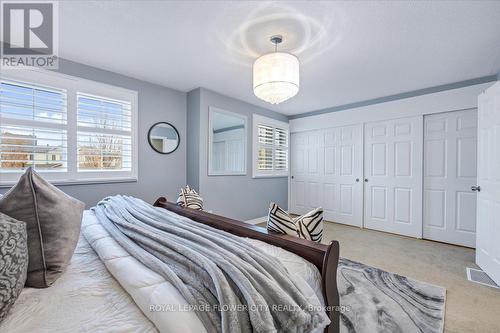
{"points": [[29, 34]]}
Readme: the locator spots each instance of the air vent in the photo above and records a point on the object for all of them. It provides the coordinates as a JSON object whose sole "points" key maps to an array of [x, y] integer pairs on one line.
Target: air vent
{"points": [[478, 276]]}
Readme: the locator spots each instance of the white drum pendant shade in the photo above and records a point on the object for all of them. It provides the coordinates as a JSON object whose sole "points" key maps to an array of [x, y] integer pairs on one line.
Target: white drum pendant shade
{"points": [[276, 77]]}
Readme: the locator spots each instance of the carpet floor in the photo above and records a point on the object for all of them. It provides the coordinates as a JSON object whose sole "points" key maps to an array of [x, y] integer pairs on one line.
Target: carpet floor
{"points": [[470, 307]]}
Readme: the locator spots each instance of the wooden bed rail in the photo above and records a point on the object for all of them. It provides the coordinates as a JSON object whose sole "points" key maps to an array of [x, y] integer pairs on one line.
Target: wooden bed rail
{"points": [[324, 257]]}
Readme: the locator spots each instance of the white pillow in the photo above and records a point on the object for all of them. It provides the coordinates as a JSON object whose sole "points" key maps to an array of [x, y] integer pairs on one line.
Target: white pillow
{"points": [[188, 198], [279, 221], [308, 226]]}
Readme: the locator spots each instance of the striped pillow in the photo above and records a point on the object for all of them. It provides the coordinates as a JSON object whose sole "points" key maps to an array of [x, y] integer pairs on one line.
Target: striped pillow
{"points": [[308, 226], [279, 221], [188, 198]]}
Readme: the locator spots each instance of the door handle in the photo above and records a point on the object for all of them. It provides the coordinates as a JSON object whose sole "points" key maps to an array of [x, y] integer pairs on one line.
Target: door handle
{"points": [[292, 177], [366, 180], [476, 188], [357, 180]]}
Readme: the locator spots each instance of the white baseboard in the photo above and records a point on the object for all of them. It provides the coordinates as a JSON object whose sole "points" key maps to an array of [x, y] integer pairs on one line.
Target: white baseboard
{"points": [[257, 220]]}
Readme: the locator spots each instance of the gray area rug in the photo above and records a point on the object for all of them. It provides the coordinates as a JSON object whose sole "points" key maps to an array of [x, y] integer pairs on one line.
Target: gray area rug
{"points": [[379, 301]]}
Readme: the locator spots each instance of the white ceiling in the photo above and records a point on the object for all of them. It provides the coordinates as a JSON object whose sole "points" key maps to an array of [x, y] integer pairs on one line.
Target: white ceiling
{"points": [[349, 51]]}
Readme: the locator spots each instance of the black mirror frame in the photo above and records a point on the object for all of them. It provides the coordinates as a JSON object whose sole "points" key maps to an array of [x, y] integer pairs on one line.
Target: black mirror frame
{"points": [[176, 131]]}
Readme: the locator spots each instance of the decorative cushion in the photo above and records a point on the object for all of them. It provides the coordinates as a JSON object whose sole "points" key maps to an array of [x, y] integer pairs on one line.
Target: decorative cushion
{"points": [[53, 221], [190, 199], [279, 221], [13, 261], [308, 226]]}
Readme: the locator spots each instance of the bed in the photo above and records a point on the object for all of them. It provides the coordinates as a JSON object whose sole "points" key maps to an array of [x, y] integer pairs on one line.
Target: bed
{"points": [[324, 257], [106, 290]]}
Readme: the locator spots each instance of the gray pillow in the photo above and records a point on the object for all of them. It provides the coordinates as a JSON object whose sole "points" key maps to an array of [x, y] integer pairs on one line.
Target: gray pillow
{"points": [[13, 261], [53, 221]]}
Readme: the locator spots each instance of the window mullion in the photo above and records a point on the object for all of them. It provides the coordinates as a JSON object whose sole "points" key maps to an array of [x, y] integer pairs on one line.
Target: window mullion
{"points": [[30, 123]]}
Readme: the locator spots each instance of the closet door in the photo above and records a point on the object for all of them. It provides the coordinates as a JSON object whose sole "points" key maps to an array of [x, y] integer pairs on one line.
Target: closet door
{"points": [[393, 176], [298, 172], [326, 171], [342, 185], [306, 171], [450, 168]]}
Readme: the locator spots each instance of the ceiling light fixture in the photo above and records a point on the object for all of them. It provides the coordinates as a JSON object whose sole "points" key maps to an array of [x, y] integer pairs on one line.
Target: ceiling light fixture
{"points": [[276, 75]]}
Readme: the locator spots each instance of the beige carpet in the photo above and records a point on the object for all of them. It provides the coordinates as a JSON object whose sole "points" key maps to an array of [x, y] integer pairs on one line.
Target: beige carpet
{"points": [[469, 307]]}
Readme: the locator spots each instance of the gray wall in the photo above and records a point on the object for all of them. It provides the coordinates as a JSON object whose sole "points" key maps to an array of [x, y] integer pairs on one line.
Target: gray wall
{"points": [[240, 197], [159, 175]]}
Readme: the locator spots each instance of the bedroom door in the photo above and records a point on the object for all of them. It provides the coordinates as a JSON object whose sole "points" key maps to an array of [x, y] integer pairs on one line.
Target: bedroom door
{"points": [[393, 176], [326, 171], [488, 190], [450, 148]]}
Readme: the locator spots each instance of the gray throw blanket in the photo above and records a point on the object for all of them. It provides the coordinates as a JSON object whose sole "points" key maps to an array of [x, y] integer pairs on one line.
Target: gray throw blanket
{"points": [[232, 285]]}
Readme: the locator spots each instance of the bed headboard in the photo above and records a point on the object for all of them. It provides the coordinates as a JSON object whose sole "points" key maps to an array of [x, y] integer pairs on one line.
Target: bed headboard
{"points": [[325, 257]]}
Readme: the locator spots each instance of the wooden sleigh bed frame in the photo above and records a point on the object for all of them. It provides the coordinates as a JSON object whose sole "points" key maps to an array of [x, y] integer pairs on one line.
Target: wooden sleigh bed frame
{"points": [[324, 257]]}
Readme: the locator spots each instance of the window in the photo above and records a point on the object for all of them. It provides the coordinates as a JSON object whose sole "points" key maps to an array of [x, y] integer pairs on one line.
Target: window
{"points": [[104, 137], [270, 153], [33, 127], [68, 129]]}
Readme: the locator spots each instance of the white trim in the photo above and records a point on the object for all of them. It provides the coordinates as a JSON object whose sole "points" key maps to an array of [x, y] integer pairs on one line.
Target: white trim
{"points": [[73, 85], [79, 182], [280, 175], [211, 110], [256, 120], [257, 220]]}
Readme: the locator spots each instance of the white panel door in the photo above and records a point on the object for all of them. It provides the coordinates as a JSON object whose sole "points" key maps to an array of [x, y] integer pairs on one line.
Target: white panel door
{"points": [[306, 171], [299, 166], [488, 199], [326, 169], [342, 185], [450, 145], [393, 176], [314, 171]]}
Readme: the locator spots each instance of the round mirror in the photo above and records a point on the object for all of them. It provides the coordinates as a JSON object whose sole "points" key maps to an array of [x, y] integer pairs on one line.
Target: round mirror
{"points": [[163, 138]]}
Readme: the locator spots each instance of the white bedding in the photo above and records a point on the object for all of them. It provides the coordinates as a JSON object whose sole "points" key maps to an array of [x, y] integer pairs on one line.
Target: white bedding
{"points": [[88, 299]]}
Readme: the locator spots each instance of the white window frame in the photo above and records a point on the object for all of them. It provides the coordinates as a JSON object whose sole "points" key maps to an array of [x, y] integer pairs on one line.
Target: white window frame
{"points": [[74, 85], [261, 120]]}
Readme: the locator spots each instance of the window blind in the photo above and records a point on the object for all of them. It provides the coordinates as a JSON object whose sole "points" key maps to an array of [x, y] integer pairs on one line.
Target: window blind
{"points": [[33, 127], [99, 112], [272, 150], [265, 139], [281, 149], [104, 136]]}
